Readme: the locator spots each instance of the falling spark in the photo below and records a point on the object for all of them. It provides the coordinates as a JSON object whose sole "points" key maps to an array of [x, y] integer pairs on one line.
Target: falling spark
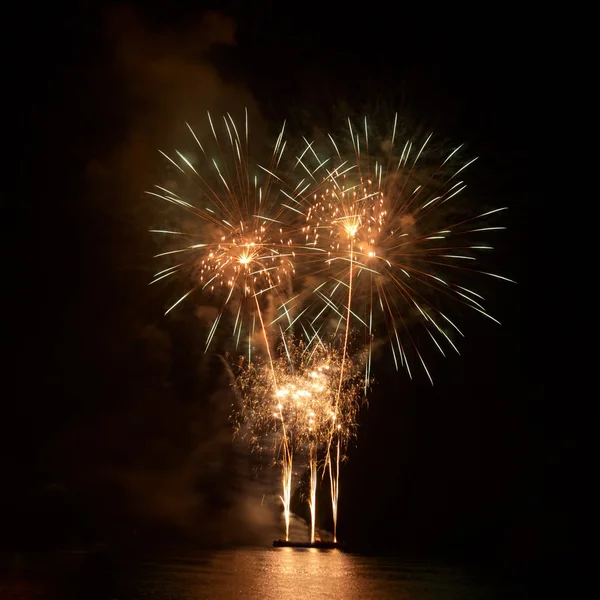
{"points": [[235, 240], [392, 232], [302, 407]]}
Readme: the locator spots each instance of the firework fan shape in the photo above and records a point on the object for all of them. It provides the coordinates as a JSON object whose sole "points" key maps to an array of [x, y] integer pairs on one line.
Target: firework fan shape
{"points": [[298, 392], [392, 244], [234, 244], [297, 399]]}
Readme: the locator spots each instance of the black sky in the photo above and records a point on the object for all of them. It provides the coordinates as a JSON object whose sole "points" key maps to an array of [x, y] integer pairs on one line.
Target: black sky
{"points": [[483, 462]]}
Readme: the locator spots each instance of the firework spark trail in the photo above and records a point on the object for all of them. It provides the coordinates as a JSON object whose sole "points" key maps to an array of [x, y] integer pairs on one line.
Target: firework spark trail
{"points": [[350, 225], [334, 477], [246, 255], [312, 464], [334, 480], [383, 246], [304, 407], [246, 251], [287, 463], [391, 251]]}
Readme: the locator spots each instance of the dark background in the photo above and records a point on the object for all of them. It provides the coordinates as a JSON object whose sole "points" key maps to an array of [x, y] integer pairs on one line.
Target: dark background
{"points": [[108, 398]]}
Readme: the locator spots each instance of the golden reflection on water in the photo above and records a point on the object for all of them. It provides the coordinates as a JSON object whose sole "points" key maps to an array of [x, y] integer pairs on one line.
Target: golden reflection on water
{"points": [[253, 573], [296, 574]]}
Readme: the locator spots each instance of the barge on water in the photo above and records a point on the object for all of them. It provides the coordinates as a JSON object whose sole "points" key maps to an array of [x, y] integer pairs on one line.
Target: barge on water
{"points": [[321, 545]]}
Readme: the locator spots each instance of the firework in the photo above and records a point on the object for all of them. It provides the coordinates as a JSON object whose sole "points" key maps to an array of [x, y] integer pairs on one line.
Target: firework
{"points": [[393, 245], [390, 247], [297, 398], [231, 241], [359, 233]]}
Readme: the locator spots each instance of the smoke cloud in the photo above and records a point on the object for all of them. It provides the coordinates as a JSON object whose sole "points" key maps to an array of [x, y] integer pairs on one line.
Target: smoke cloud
{"points": [[150, 443]]}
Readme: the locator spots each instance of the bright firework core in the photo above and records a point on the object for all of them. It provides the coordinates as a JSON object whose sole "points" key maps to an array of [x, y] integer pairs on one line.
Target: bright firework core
{"points": [[262, 266], [339, 215], [350, 224], [234, 207], [298, 398], [394, 241], [306, 401]]}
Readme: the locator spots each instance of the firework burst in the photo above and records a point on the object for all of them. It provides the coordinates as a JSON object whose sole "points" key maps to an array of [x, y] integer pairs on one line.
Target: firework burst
{"points": [[359, 233], [234, 244], [296, 398], [393, 245]]}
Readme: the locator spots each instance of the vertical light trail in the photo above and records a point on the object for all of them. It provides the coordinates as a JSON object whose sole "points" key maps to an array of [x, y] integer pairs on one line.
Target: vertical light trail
{"points": [[335, 490], [312, 460], [334, 478], [286, 498], [286, 448], [286, 471]]}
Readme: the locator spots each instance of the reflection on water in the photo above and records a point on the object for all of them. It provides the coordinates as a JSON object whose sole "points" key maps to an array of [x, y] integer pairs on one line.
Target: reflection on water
{"points": [[269, 574]]}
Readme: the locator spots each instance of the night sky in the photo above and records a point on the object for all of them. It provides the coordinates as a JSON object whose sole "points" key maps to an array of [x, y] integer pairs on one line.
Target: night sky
{"points": [[115, 406]]}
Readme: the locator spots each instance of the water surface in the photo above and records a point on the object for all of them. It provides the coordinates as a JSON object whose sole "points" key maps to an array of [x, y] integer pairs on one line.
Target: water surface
{"points": [[269, 574]]}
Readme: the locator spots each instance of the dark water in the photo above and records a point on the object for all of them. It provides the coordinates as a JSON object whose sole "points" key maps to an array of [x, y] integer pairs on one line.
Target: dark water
{"points": [[269, 574]]}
